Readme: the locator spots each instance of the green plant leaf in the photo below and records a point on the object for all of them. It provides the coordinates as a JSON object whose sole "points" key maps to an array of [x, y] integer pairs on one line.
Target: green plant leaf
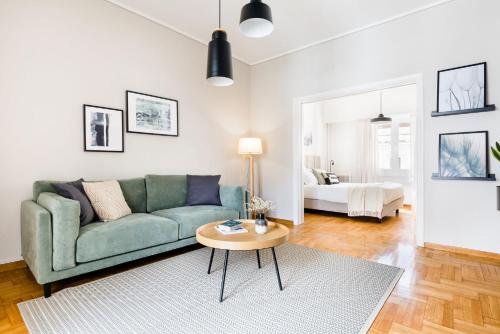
{"points": [[498, 146], [496, 153]]}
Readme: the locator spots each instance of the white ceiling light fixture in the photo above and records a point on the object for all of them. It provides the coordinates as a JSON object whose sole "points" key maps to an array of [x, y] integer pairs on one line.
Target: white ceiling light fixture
{"points": [[256, 19]]}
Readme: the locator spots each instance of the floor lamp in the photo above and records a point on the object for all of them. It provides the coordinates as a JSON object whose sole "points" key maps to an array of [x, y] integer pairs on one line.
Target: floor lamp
{"points": [[250, 147]]}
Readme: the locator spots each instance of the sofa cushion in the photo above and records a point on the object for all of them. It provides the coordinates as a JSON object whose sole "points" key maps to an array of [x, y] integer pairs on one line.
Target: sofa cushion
{"points": [[74, 190], [203, 190], [133, 232], [134, 191], [107, 199], [192, 217], [165, 191]]}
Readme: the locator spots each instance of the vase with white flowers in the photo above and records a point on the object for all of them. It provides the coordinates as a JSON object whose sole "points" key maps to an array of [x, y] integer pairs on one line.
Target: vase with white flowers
{"points": [[260, 207]]}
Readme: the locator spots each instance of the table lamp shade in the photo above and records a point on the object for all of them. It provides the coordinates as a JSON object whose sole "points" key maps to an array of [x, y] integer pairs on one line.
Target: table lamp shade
{"points": [[250, 146]]}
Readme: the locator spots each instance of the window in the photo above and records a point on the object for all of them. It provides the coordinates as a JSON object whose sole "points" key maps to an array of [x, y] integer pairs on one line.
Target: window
{"points": [[393, 150], [404, 150], [383, 142]]}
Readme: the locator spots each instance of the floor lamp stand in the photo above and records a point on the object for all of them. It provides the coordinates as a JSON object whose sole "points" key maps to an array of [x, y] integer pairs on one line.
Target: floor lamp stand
{"points": [[250, 172]]}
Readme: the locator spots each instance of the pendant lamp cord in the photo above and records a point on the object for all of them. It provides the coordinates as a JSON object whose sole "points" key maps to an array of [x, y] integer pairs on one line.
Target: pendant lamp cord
{"points": [[219, 13], [381, 105]]}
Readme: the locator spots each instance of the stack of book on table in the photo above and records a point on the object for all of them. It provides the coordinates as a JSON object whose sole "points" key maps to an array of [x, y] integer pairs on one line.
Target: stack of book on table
{"points": [[231, 227]]}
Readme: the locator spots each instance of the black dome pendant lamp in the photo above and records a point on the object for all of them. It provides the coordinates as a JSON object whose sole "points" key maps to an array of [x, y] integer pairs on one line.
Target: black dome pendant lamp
{"points": [[256, 20], [219, 64], [381, 119]]}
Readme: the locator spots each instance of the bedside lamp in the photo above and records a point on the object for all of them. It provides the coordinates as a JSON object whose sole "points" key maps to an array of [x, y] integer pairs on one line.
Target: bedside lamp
{"points": [[250, 147]]}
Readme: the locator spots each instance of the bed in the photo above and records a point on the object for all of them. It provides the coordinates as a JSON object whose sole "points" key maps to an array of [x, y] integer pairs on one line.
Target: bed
{"points": [[356, 199]]}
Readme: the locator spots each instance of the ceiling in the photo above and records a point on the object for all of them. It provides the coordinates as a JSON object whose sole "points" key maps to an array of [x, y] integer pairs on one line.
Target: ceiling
{"points": [[397, 100], [298, 23]]}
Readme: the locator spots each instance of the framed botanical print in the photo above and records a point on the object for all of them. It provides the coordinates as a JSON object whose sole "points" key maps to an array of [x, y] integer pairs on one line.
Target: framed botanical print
{"points": [[463, 154], [102, 129], [149, 114], [462, 88]]}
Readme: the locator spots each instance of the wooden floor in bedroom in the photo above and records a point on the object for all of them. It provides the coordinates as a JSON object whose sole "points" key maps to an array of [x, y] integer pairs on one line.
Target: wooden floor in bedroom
{"points": [[440, 292]]}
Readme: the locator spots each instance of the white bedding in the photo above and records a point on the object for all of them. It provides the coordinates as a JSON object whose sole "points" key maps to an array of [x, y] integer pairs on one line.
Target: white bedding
{"points": [[339, 193]]}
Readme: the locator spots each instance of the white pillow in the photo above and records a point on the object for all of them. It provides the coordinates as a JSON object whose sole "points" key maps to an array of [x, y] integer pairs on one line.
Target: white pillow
{"points": [[107, 199], [309, 178]]}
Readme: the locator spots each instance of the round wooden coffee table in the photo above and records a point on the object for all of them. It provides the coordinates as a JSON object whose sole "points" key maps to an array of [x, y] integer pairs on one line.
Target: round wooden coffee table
{"points": [[276, 235]]}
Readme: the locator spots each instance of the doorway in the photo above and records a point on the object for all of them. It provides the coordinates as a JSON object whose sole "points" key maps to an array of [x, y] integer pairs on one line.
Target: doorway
{"points": [[392, 161]]}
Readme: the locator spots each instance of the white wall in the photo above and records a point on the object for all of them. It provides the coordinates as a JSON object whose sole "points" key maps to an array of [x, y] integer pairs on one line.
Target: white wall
{"points": [[57, 55], [459, 213], [313, 125], [344, 144], [343, 114], [343, 148]]}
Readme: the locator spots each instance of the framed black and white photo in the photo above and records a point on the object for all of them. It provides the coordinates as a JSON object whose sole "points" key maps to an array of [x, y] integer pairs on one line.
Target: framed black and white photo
{"points": [[463, 154], [102, 129], [151, 114], [462, 89]]}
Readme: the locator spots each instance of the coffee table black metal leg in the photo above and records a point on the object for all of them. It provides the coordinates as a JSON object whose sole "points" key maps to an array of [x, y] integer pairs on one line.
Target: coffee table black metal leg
{"points": [[221, 298], [277, 269], [211, 260], [258, 258]]}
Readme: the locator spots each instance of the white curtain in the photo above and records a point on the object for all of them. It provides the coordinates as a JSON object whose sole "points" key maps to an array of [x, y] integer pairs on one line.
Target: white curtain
{"points": [[412, 178], [366, 152]]}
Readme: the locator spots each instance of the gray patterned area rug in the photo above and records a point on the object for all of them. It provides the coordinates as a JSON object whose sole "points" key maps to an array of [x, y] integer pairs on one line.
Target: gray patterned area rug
{"points": [[323, 293]]}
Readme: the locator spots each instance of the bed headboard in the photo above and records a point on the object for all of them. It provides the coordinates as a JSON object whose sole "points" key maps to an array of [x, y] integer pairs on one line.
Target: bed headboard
{"points": [[312, 161]]}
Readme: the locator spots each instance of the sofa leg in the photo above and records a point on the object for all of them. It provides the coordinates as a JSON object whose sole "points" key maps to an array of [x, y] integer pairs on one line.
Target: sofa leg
{"points": [[47, 290], [397, 212]]}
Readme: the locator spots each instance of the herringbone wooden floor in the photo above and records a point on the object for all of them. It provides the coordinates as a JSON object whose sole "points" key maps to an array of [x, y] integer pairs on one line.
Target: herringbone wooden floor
{"points": [[440, 292]]}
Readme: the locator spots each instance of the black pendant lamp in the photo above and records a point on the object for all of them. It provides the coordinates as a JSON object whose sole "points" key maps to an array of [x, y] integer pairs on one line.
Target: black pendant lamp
{"points": [[256, 20], [381, 119], [219, 64]]}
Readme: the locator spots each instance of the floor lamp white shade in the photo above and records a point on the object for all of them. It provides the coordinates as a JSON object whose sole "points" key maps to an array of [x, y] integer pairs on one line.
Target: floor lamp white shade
{"points": [[250, 147]]}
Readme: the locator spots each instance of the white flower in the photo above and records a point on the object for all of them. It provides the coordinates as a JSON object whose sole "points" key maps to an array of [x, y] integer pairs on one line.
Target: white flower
{"points": [[258, 205]]}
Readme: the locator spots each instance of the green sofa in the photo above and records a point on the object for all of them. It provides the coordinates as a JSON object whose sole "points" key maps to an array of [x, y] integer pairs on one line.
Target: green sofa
{"points": [[55, 247]]}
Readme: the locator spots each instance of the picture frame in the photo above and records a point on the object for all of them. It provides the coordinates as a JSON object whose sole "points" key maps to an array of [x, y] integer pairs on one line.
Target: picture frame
{"points": [[102, 129], [151, 114], [464, 155], [462, 90]]}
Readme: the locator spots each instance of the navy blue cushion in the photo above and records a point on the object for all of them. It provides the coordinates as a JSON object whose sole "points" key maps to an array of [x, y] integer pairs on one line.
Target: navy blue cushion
{"points": [[203, 190], [74, 190]]}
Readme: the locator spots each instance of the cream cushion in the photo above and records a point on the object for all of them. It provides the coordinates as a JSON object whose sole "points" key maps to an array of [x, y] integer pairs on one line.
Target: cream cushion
{"points": [[309, 178], [107, 199], [320, 175]]}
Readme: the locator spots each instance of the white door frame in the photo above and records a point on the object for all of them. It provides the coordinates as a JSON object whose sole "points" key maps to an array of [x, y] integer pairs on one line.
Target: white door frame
{"points": [[298, 190]]}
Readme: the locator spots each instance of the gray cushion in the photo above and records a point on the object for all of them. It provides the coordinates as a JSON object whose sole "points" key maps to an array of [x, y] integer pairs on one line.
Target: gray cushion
{"points": [[165, 191], [192, 217], [129, 233], [74, 190], [203, 190]]}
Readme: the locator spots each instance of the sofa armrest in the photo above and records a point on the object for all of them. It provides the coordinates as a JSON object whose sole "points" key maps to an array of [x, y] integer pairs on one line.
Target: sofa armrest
{"points": [[234, 197], [65, 228], [36, 240]]}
